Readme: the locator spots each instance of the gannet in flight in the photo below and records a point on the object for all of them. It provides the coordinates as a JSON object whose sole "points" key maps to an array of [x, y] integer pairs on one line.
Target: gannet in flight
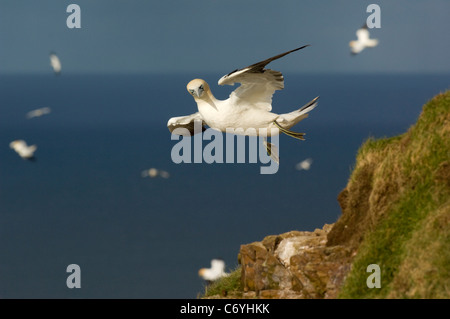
{"points": [[363, 41], [248, 107], [24, 151], [38, 112], [216, 271], [55, 63], [304, 165], [153, 172]]}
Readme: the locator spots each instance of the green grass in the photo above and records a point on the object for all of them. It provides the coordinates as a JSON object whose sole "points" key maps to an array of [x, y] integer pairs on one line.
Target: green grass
{"points": [[408, 236], [396, 213], [229, 286]]}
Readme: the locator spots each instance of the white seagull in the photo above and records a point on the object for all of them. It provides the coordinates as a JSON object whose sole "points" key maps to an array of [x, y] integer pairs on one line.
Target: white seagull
{"points": [[216, 271], [24, 151], [363, 41], [38, 112], [55, 63], [248, 107], [304, 165]]}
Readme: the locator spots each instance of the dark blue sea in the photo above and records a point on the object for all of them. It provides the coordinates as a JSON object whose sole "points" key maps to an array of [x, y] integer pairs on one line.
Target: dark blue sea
{"points": [[83, 201]]}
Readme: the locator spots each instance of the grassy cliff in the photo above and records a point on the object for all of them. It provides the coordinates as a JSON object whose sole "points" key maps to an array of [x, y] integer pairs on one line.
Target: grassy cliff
{"points": [[395, 213]]}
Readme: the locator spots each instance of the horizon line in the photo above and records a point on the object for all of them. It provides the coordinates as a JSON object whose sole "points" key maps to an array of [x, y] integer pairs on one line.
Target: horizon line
{"points": [[309, 73]]}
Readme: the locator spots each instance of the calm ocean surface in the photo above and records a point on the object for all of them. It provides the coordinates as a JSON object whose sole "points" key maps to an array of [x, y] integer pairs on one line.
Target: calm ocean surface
{"points": [[84, 201]]}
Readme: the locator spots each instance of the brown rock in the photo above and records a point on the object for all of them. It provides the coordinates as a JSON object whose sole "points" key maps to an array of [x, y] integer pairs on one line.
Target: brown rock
{"points": [[296, 264]]}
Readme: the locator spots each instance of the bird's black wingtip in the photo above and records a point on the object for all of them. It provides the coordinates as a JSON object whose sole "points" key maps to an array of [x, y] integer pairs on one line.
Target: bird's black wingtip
{"points": [[303, 46]]}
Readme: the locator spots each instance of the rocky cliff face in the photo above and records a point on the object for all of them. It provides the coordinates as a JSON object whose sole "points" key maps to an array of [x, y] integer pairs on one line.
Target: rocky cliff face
{"points": [[395, 214], [297, 264]]}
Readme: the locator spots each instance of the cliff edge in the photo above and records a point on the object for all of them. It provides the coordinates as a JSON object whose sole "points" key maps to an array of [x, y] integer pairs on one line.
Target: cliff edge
{"points": [[395, 214]]}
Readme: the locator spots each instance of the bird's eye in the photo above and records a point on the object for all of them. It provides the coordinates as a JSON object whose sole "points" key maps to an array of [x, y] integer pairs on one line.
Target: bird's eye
{"points": [[201, 87], [192, 91]]}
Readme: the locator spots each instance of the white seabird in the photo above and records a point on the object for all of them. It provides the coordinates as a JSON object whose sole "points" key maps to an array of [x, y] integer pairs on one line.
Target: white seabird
{"points": [[153, 172], [55, 63], [21, 148], [38, 112], [304, 165], [216, 271], [363, 41], [248, 107]]}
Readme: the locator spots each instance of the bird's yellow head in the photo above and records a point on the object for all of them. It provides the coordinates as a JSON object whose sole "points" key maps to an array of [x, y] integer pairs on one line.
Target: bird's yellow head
{"points": [[198, 88], [17, 144], [201, 272]]}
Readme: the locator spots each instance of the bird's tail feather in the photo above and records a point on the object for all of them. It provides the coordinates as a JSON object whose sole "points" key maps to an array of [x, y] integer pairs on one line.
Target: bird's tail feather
{"points": [[290, 119], [308, 107], [372, 43]]}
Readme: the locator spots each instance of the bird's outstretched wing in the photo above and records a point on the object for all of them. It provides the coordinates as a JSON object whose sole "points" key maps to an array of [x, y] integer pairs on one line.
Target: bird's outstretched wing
{"points": [[186, 125], [257, 84]]}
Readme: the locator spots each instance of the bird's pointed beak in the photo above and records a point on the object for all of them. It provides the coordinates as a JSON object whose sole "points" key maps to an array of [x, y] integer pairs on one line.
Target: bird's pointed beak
{"points": [[196, 93]]}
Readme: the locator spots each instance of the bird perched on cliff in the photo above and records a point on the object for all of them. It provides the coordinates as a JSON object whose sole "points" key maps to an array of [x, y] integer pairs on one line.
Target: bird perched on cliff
{"points": [[24, 151], [38, 112], [247, 108], [216, 271], [55, 63], [363, 41]]}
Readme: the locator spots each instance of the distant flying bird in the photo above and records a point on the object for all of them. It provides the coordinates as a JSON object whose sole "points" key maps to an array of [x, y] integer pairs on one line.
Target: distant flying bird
{"points": [[363, 41], [216, 271], [153, 172], [24, 151], [55, 63], [304, 165], [248, 107], [38, 112]]}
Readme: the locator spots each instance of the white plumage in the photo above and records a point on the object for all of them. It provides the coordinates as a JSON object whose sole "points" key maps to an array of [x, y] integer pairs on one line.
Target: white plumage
{"points": [[55, 63], [363, 41], [248, 107], [21, 148], [304, 165], [38, 112], [216, 271]]}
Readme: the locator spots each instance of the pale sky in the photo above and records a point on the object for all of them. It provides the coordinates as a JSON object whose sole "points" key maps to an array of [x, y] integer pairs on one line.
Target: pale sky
{"points": [[169, 36]]}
